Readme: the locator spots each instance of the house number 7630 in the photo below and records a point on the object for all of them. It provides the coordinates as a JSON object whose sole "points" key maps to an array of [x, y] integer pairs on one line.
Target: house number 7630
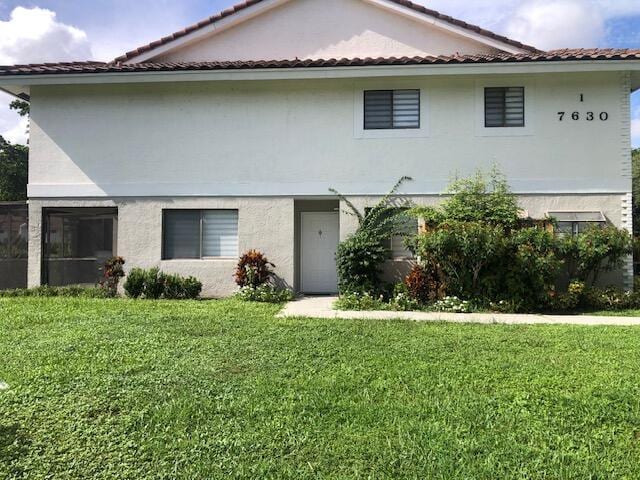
{"points": [[589, 116]]}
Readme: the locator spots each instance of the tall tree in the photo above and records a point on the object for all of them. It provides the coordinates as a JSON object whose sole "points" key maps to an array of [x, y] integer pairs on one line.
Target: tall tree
{"points": [[14, 163], [13, 171]]}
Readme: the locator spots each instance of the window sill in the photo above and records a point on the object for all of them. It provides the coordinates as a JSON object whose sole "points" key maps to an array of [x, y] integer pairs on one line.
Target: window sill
{"points": [[392, 133]]}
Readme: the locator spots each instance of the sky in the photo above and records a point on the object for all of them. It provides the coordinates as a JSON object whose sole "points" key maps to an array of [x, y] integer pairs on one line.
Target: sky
{"points": [[33, 31]]}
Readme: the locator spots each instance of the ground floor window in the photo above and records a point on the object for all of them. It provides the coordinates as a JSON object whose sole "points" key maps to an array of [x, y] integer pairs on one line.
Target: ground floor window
{"points": [[77, 242], [574, 223], [195, 234], [14, 226]]}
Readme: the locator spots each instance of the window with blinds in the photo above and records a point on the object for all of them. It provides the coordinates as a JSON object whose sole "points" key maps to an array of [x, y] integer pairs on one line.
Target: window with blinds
{"points": [[190, 234], [391, 109], [504, 107]]}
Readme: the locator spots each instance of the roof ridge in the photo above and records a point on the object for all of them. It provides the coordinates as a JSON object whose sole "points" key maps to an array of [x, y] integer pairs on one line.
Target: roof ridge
{"points": [[249, 3]]}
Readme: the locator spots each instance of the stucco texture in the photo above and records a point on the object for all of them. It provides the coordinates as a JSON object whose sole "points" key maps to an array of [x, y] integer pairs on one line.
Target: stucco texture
{"points": [[327, 29], [265, 224]]}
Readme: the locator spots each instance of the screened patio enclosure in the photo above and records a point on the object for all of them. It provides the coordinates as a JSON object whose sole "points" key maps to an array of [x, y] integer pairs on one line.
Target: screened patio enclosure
{"points": [[76, 244], [14, 227]]}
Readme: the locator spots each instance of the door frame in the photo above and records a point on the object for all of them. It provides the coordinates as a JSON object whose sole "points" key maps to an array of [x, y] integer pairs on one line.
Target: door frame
{"points": [[301, 249]]}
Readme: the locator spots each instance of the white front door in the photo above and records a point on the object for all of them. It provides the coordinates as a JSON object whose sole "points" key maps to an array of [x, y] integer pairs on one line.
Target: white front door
{"points": [[320, 234]]}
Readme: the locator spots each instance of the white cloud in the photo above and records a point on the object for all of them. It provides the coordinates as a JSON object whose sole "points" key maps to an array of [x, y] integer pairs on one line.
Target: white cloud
{"points": [[558, 23], [33, 35], [542, 23], [18, 133]]}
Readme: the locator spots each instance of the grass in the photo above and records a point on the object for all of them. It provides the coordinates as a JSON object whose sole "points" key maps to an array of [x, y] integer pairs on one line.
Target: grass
{"points": [[616, 313], [135, 389]]}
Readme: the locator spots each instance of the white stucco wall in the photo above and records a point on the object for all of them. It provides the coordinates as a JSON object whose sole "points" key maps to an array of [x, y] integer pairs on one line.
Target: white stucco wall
{"points": [[301, 137], [326, 29], [266, 224]]}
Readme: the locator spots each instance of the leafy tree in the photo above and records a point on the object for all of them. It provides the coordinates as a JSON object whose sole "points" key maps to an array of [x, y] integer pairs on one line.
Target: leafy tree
{"points": [[13, 171], [14, 163], [22, 107]]}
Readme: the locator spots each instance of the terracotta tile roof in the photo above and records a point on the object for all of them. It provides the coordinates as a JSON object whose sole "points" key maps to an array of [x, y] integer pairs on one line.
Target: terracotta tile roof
{"points": [[501, 58], [248, 3]]}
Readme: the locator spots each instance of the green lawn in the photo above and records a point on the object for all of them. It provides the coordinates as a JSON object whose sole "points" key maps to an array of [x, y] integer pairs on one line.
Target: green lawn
{"points": [[125, 389], [619, 313]]}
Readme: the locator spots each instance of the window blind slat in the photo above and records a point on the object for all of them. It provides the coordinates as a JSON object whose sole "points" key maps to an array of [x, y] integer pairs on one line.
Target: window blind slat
{"points": [[504, 106], [220, 233], [182, 234], [389, 109]]}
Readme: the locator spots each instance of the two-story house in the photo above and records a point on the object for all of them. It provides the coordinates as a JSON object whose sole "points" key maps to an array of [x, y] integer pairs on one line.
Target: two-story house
{"points": [[228, 135]]}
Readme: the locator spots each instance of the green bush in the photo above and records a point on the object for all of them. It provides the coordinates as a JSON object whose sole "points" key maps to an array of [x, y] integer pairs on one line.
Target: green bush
{"points": [[481, 198], [596, 250], [264, 293], [134, 284], [359, 257], [468, 253], [47, 291], [358, 261], [180, 288], [154, 284], [531, 268]]}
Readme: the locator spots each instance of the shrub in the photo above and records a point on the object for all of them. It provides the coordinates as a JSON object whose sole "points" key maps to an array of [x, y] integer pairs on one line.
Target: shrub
{"points": [[134, 284], [253, 269], [467, 253], [358, 261], [264, 293], [452, 305], [596, 250], [481, 198], [113, 272], [425, 283], [181, 288], [191, 288], [360, 301], [402, 299], [48, 291], [359, 257], [154, 284], [530, 268]]}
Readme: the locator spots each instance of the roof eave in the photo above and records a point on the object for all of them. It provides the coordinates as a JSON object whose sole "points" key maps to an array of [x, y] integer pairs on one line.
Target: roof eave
{"points": [[23, 82]]}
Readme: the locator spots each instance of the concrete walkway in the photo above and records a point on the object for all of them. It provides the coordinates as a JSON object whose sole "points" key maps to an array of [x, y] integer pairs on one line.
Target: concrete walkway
{"points": [[322, 307]]}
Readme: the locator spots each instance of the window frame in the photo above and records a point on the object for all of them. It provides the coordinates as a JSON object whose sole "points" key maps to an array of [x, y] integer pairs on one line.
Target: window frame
{"points": [[392, 91], [504, 113], [201, 212], [530, 114], [390, 84]]}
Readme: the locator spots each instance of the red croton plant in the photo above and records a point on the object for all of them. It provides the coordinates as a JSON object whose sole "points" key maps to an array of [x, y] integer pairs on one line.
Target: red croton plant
{"points": [[254, 269]]}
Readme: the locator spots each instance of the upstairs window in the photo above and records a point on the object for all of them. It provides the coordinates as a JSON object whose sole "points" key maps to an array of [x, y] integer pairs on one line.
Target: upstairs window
{"points": [[503, 107], [200, 234], [391, 109]]}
